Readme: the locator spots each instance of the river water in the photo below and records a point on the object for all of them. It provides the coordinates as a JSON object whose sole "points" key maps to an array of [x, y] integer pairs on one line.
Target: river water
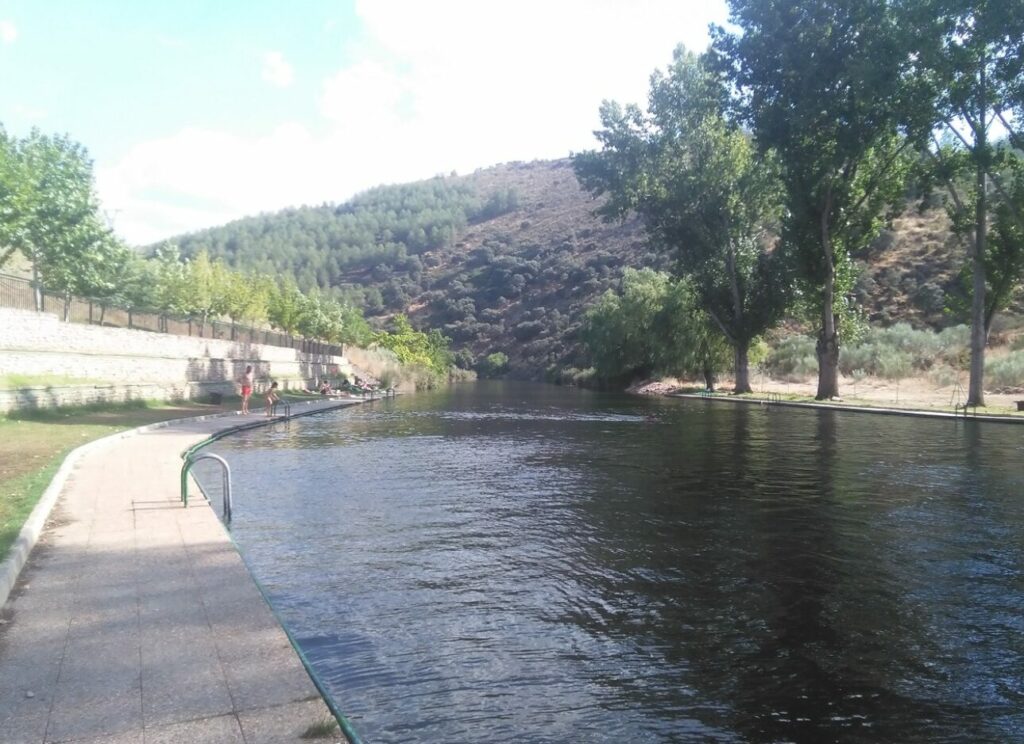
{"points": [[507, 563]]}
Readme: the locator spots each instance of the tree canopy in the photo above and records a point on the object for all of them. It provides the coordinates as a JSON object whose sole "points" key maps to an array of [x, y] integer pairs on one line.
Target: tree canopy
{"points": [[704, 193], [824, 83]]}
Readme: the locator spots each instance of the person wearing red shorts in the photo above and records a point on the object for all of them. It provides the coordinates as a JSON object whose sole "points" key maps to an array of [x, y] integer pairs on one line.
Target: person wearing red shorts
{"points": [[246, 381]]}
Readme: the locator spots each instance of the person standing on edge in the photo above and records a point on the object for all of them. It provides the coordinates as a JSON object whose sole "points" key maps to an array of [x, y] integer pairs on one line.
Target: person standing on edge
{"points": [[246, 382]]}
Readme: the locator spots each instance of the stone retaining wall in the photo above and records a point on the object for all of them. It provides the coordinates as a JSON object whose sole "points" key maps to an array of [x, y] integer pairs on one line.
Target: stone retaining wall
{"points": [[123, 364]]}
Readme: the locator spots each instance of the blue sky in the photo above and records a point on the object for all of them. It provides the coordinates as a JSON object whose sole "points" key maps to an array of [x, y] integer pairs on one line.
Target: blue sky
{"points": [[196, 113]]}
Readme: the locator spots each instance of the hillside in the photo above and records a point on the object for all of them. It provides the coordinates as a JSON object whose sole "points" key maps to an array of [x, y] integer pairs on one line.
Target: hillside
{"points": [[508, 258]]}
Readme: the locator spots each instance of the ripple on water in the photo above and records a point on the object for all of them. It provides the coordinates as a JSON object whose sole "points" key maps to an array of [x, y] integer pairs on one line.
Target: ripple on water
{"points": [[507, 563]]}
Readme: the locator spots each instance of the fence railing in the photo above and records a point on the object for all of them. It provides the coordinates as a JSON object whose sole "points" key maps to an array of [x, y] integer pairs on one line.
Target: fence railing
{"points": [[19, 293]]}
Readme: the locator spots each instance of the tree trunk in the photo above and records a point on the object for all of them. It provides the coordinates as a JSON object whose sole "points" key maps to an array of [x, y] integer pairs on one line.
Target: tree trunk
{"points": [[67, 307], [742, 364], [827, 348], [709, 377], [976, 387], [37, 290], [103, 312]]}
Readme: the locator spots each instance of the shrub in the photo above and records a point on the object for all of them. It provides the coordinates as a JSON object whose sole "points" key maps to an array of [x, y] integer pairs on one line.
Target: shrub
{"points": [[493, 365], [527, 330], [943, 375], [1006, 371], [899, 350], [793, 358], [893, 364]]}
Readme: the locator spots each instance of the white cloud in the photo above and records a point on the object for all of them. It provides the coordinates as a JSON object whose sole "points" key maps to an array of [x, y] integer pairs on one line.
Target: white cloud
{"points": [[30, 113], [276, 70], [8, 32], [436, 86]]}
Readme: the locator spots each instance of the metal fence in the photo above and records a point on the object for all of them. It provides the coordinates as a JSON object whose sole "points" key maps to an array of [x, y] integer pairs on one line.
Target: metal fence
{"points": [[19, 293]]}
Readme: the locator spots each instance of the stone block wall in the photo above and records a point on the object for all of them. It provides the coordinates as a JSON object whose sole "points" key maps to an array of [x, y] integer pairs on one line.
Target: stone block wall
{"points": [[165, 366]]}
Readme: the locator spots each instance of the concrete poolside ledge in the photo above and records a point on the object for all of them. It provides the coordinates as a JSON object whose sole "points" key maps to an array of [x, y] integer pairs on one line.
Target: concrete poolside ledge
{"points": [[835, 406], [136, 619]]}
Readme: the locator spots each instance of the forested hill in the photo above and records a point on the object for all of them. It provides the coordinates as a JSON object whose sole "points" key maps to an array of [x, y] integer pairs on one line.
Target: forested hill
{"points": [[508, 259]]}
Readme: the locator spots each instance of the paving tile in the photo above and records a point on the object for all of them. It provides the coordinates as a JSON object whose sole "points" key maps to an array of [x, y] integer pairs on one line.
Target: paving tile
{"points": [[286, 723], [134, 736], [259, 681], [81, 712], [219, 730], [23, 728], [97, 656], [30, 670], [181, 693]]}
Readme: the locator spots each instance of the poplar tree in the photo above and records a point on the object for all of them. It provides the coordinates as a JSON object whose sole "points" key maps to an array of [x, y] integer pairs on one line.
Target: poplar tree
{"points": [[824, 84], [971, 53], [703, 193]]}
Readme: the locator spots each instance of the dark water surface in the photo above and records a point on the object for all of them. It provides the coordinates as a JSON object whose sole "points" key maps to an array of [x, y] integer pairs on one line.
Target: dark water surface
{"points": [[512, 563]]}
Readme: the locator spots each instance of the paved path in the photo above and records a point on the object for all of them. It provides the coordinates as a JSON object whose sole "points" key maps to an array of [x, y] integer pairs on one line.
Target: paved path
{"points": [[136, 622]]}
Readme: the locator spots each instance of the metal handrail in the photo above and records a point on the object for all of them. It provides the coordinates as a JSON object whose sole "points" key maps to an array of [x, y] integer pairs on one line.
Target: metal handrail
{"points": [[287, 408], [225, 481]]}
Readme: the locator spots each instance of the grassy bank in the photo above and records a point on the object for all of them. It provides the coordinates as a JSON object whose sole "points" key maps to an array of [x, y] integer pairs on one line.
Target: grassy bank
{"points": [[33, 444]]}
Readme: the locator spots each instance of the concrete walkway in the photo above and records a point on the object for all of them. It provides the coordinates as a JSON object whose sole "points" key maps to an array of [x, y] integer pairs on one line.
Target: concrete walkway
{"points": [[135, 620]]}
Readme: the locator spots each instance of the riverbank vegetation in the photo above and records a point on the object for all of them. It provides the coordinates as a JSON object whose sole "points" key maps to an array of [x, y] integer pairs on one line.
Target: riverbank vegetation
{"points": [[901, 97]]}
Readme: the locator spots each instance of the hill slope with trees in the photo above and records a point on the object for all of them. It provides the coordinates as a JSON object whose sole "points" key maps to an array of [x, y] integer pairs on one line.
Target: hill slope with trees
{"points": [[506, 260]]}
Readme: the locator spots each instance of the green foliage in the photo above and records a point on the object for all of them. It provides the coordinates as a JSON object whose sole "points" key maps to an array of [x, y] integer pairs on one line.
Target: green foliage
{"points": [[703, 192], [382, 230], [793, 358], [900, 350], [49, 213], [972, 54], [428, 351], [652, 324], [284, 306], [493, 365], [1003, 261], [824, 84], [1006, 371]]}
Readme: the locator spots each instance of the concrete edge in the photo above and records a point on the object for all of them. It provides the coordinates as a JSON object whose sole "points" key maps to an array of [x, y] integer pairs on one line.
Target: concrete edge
{"points": [[984, 418], [29, 534]]}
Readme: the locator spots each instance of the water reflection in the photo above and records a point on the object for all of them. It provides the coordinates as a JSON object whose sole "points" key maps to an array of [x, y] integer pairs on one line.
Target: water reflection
{"points": [[496, 563]]}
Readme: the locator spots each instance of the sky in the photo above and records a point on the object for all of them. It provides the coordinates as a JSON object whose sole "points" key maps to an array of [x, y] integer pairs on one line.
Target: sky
{"points": [[197, 113]]}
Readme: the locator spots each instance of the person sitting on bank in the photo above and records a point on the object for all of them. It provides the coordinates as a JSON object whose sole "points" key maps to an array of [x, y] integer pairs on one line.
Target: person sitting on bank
{"points": [[272, 398], [325, 387]]}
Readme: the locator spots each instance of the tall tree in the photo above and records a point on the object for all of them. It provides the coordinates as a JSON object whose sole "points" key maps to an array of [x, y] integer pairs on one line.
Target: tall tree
{"points": [[172, 291], [972, 54], [284, 306], [207, 288], [12, 197], [824, 83], [50, 212], [703, 192]]}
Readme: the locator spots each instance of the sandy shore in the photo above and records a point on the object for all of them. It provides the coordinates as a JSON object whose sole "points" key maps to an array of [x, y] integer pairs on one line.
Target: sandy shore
{"points": [[913, 393]]}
